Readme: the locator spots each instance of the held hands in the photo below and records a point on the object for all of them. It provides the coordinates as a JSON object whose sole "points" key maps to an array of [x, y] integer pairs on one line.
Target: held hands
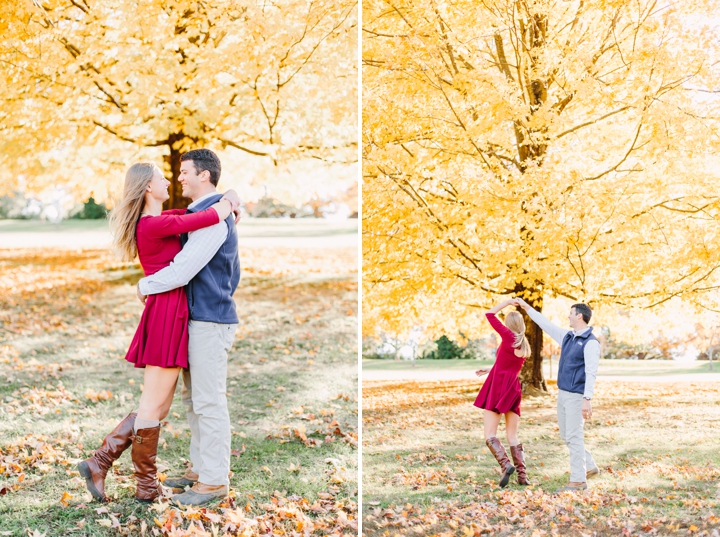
{"points": [[517, 301], [586, 409], [503, 305], [511, 302]]}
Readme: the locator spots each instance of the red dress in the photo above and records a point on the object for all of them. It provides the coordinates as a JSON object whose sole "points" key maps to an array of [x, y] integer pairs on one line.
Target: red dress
{"points": [[161, 338], [501, 391]]}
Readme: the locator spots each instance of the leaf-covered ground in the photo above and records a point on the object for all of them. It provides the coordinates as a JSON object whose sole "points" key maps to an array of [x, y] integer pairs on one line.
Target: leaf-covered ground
{"points": [[426, 470], [66, 319]]}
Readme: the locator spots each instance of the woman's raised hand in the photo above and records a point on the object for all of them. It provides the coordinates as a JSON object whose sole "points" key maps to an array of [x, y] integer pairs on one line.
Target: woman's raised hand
{"points": [[234, 200]]}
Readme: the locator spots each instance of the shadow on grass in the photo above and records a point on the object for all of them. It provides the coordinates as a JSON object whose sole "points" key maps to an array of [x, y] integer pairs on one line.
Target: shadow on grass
{"points": [[292, 353], [655, 445], [38, 507]]}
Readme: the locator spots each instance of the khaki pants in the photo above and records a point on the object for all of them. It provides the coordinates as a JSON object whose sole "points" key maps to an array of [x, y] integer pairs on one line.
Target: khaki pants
{"points": [[571, 422], [203, 393]]}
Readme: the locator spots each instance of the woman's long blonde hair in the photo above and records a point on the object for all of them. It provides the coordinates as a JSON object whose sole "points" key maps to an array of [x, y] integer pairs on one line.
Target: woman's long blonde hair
{"points": [[125, 215], [514, 321]]}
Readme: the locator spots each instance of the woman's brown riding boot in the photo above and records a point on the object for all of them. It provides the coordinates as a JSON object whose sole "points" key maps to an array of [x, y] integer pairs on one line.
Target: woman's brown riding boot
{"points": [[497, 449], [96, 467], [519, 461], [144, 452]]}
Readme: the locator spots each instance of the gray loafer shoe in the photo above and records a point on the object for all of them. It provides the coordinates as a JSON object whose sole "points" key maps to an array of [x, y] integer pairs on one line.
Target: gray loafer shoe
{"points": [[592, 473], [572, 488], [179, 482], [196, 496]]}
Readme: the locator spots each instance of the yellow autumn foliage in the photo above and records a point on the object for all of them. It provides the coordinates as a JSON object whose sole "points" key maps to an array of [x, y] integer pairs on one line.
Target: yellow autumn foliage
{"points": [[91, 86], [543, 148]]}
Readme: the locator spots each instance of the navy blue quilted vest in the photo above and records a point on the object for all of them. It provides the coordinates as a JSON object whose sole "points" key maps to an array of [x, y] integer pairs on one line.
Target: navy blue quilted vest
{"points": [[210, 291], [571, 372]]}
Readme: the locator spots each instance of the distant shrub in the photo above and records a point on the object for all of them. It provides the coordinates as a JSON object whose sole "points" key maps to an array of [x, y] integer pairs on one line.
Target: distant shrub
{"points": [[376, 356], [12, 205], [91, 211], [267, 207], [447, 349]]}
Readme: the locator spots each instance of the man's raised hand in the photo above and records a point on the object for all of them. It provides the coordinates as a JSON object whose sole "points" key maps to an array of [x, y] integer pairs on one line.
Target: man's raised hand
{"points": [[142, 298]]}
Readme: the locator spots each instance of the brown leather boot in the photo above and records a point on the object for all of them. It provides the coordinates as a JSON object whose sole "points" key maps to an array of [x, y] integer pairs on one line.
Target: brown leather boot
{"points": [[519, 461], [497, 449], [96, 467], [144, 452]]}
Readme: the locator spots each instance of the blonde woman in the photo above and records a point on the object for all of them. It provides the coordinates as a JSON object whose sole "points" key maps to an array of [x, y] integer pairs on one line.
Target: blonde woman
{"points": [[501, 393], [160, 345]]}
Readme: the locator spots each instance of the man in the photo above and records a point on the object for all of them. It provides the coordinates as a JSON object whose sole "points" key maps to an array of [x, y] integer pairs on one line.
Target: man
{"points": [[209, 265], [579, 360]]}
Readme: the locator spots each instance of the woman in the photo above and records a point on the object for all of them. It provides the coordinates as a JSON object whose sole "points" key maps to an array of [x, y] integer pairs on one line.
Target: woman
{"points": [[501, 393], [160, 344]]}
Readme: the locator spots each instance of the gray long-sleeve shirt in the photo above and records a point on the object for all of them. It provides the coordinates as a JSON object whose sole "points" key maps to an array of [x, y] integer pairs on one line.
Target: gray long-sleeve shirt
{"points": [[591, 352]]}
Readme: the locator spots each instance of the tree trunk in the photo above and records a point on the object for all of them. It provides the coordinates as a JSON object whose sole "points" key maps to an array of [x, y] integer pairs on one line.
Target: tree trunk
{"points": [[533, 29], [172, 165], [532, 379], [711, 351]]}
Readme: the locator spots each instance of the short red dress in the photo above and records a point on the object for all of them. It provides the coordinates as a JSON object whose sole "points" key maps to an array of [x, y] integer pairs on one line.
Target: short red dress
{"points": [[161, 338], [501, 391]]}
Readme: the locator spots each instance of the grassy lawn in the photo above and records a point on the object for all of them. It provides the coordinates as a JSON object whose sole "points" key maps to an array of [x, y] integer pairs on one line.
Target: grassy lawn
{"points": [[66, 319], [301, 227], [427, 471], [38, 226], [251, 227], [424, 365], [254, 234], [635, 368]]}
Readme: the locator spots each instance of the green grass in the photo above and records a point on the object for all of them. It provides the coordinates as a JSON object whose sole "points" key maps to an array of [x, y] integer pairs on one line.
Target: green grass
{"points": [[301, 227], [38, 226], [607, 367], [250, 227], [424, 365], [424, 454], [314, 236], [66, 320]]}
